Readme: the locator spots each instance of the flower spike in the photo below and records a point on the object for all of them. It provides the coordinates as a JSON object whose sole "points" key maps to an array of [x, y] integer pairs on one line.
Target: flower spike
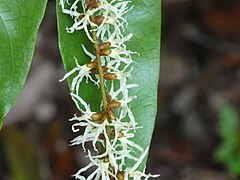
{"points": [[112, 129]]}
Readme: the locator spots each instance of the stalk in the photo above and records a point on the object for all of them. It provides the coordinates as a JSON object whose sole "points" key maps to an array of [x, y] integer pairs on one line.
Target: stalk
{"points": [[100, 70]]}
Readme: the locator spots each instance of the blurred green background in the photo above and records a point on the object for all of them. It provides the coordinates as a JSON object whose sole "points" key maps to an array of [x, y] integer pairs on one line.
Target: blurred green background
{"points": [[197, 135]]}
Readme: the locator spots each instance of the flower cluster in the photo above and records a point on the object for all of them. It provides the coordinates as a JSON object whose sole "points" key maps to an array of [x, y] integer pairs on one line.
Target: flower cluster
{"points": [[108, 130]]}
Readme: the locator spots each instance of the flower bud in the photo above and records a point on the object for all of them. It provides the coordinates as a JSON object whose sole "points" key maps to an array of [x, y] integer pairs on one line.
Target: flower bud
{"points": [[120, 175], [105, 52], [114, 105], [95, 70], [105, 116], [111, 115], [109, 98], [97, 19], [110, 76], [92, 65], [105, 68], [105, 45], [97, 117]]}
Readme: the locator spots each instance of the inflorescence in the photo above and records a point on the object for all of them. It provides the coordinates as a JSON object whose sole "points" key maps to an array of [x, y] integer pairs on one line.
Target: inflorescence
{"points": [[104, 24]]}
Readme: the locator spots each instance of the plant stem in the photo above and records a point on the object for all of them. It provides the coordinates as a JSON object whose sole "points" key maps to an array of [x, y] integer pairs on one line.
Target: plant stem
{"points": [[100, 70]]}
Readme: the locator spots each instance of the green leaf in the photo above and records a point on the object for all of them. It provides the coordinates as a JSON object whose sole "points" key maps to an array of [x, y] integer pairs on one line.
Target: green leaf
{"points": [[229, 122], [19, 22], [144, 23], [228, 153]]}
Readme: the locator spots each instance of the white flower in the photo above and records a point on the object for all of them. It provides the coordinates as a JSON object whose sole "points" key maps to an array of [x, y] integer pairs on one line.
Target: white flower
{"points": [[101, 172], [125, 109], [123, 144], [83, 71], [118, 57], [91, 133], [120, 147], [84, 120], [66, 11], [81, 20], [83, 23], [113, 15], [122, 77], [92, 130], [117, 41], [126, 142], [114, 94]]}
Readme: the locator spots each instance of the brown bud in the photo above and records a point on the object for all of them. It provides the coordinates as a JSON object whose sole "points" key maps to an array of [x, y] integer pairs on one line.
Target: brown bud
{"points": [[120, 175], [105, 45], [95, 70], [105, 116], [105, 52], [97, 117], [104, 68], [110, 76], [92, 65], [109, 98], [111, 115], [97, 19], [114, 105]]}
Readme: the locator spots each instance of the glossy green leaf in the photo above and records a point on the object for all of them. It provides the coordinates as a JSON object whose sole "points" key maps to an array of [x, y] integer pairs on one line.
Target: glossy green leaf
{"points": [[144, 23], [19, 22]]}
